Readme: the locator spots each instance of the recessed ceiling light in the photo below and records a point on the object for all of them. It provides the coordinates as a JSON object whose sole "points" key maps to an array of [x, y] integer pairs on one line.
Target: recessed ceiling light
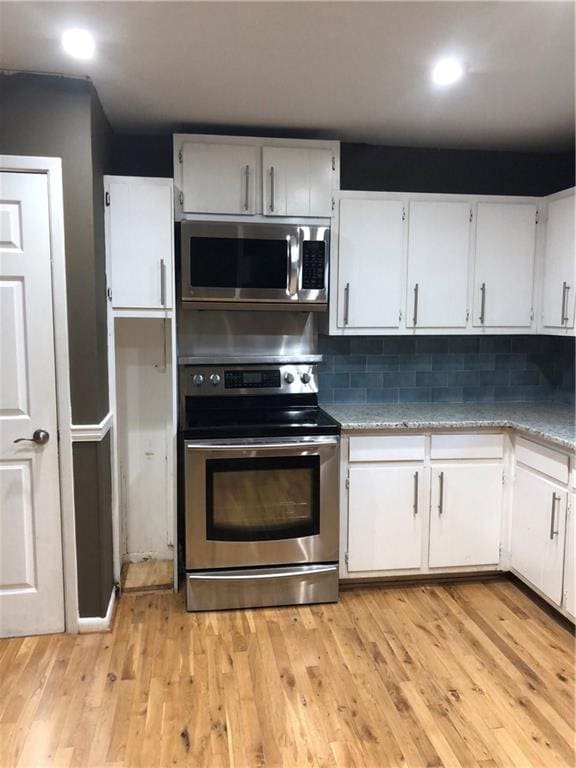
{"points": [[78, 43], [447, 71]]}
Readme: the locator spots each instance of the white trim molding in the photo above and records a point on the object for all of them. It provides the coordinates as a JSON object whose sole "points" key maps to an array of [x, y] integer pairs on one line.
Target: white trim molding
{"points": [[92, 433], [99, 623]]}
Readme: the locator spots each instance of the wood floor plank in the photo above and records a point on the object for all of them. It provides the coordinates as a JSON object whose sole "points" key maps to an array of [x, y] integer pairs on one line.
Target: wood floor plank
{"points": [[427, 676]]}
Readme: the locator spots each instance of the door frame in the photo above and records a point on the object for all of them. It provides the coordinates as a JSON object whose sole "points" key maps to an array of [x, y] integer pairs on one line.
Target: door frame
{"points": [[52, 168]]}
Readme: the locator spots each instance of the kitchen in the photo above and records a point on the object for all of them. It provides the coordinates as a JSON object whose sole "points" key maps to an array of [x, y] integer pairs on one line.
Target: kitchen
{"points": [[320, 380]]}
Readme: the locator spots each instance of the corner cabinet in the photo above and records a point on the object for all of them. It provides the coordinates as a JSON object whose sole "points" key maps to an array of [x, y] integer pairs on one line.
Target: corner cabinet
{"points": [[227, 177], [142, 367], [559, 279], [139, 243]]}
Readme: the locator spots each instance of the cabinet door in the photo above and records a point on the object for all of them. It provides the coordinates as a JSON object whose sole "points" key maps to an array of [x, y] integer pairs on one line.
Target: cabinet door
{"points": [[438, 248], [558, 292], [504, 267], [385, 509], [370, 263], [538, 532], [219, 178], [140, 229], [297, 182], [466, 510], [569, 573]]}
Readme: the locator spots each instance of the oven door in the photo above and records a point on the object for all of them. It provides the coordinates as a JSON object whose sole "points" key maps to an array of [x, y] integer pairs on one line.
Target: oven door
{"points": [[237, 263], [255, 502]]}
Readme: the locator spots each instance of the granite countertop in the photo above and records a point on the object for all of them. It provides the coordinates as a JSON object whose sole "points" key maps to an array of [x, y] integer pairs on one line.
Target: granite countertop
{"points": [[553, 422]]}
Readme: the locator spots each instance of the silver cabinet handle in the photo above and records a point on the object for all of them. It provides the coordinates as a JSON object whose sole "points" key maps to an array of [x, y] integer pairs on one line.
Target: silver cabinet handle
{"points": [[246, 188], [162, 282], [346, 303], [415, 505], [565, 289], [415, 315], [272, 188], [40, 437], [555, 498], [441, 495], [483, 303]]}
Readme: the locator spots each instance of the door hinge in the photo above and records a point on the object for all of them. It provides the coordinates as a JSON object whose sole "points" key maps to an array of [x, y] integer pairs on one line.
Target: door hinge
{"points": [[471, 215], [109, 294], [537, 216], [333, 203], [181, 198], [333, 163], [107, 199], [503, 478], [531, 314], [346, 558], [467, 315], [403, 213], [179, 155], [347, 480], [399, 315]]}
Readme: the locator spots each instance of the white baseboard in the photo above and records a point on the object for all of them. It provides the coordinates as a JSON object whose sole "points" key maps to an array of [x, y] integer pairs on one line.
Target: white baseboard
{"points": [[97, 623]]}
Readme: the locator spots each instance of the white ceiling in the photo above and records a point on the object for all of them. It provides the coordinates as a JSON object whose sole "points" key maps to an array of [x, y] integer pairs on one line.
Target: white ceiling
{"points": [[354, 70]]}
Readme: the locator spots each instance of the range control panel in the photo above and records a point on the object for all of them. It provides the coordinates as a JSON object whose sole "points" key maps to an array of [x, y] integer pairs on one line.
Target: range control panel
{"points": [[203, 380]]}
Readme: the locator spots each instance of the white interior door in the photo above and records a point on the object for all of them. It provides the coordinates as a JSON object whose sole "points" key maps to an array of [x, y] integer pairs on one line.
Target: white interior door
{"points": [[438, 247], [370, 263], [31, 569]]}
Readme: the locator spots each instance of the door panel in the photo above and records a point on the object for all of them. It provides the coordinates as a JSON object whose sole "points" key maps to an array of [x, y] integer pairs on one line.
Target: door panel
{"points": [[297, 182], [219, 178], [558, 294], [385, 509], [31, 587], [466, 509], [370, 263], [140, 231], [438, 246], [504, 268], [537, 544], [569, 572]]}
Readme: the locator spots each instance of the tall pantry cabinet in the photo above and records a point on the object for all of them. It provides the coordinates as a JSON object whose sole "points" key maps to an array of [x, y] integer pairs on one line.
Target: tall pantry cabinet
{"points": [[142, 365]]}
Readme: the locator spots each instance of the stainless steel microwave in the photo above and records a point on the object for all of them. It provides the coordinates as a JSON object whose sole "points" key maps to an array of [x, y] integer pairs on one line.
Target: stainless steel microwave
{"points": [[254, 265]]}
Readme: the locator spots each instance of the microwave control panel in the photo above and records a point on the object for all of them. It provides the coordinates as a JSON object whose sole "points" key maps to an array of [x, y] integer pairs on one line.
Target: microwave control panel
{"points": [[313, 265]]}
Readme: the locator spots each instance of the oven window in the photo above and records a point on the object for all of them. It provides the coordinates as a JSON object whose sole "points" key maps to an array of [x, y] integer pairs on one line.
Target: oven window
{"points": [[262, 498], [224, 262]]}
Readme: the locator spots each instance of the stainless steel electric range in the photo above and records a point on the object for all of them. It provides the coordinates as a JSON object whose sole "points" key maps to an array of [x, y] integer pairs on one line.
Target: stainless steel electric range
{"points": [[260, 462]]}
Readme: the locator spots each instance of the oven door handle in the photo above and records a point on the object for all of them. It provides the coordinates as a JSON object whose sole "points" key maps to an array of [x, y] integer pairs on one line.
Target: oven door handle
{"points": [[258, 443], [265, 575]]}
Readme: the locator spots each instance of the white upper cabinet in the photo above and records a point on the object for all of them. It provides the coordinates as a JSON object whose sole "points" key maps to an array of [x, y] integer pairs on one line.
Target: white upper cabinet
{"points": [[370, 263], [297, 181], [559, 286], [466, 513], [139, 240], [438, 254], [387, 504], [219, 178], [538, 532], [504, 265]]}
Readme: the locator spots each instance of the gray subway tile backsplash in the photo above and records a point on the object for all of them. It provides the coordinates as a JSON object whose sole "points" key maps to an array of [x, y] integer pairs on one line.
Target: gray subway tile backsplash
{"points": [[390, 369]]}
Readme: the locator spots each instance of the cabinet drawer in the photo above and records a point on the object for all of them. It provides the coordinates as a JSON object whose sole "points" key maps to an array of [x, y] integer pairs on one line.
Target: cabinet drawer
{"points": [[387, 448], [467, 447], [542, 459]]}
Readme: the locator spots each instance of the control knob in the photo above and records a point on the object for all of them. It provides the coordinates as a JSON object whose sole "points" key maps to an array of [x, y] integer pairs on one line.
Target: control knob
{"points": [[214, 379], [197, 379], [305, 378], [289, 377]]}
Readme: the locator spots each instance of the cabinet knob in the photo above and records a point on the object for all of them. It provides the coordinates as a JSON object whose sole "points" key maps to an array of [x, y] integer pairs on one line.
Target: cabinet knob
{"points": [[198, 379], [214, 379]]}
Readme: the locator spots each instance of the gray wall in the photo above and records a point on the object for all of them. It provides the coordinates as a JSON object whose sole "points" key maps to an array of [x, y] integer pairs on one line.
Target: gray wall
{"points": [[62, 117]]}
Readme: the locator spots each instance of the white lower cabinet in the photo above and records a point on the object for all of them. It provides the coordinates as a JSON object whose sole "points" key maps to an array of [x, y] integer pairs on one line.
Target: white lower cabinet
{"points": [[386, 507], [466, 514], [569, 574], [539, 532]]}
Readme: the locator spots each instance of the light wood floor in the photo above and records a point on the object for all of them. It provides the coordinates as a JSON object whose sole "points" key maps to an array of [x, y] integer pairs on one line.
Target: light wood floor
{"points": [[422, 676], [149, 574]]}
